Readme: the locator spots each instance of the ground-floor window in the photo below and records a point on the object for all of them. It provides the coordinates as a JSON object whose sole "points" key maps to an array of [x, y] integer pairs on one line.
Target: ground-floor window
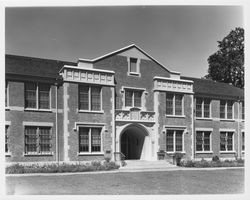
{"points": [[243, 141], [89, 139], [174, 140], [226, 141], [203, 141], [37, 140], [6, 138]]}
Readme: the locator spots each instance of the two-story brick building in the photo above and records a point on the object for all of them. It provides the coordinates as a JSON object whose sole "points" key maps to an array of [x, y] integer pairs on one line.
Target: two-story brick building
{"points": [[124, 102]]}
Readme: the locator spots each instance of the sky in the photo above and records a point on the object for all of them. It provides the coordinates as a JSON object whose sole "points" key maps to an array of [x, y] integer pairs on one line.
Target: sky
{"points": [[180, 37]]}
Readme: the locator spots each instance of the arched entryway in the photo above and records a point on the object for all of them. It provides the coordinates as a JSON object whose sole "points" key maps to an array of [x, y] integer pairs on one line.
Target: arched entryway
{"points": [[134, 142]]}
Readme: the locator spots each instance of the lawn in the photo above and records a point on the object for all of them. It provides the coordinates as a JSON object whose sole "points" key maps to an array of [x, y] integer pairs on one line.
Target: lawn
{"points": [[230, 181]]}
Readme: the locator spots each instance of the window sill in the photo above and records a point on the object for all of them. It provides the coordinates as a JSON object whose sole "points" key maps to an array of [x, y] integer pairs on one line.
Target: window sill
{"points": [[203, 118], [204, 152], [176, 116], [8, 154], [227, 152], [90, 154], [134, 74], [37, 110], [7, 108], [38, 154], [228, 120], [171, 153], [91, 111]]}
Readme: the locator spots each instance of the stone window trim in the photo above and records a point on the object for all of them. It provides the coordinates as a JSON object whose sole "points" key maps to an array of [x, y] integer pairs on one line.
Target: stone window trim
{"points": [[173, 105], [226, 110], [7, 95], [90, 126], [202, 108], [143, 97], [137, 73], [175, 128], [203, 130], [233, 131], [38, 126], [37, 97], [101, 111]]}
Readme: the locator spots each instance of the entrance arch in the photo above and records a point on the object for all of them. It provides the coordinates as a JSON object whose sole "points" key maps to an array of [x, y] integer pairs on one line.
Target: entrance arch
{"points": [[134, 142]]}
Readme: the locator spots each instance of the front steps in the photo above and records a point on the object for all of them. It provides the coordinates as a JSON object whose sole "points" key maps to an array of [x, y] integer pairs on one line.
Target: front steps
{"points": [[146, 165]]}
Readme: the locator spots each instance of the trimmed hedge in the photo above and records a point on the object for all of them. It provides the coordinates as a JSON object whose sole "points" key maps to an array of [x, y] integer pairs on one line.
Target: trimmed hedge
{"points": [[60, 168], [218, 163]]}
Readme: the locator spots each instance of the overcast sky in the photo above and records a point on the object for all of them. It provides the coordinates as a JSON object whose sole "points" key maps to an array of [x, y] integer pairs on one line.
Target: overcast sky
{"points": [[179, 37]]}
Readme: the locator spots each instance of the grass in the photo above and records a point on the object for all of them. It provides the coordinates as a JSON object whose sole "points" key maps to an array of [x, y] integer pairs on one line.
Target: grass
{"points": [[218, 163], [60, 168]]}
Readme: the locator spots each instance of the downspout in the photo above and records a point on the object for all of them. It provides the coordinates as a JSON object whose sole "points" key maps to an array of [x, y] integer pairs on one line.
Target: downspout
{"points": [[57, 146], [238, 127], [113, 127]]}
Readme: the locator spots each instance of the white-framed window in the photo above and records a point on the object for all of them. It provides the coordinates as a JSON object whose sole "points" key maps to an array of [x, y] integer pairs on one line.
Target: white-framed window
{"points": [[243, 141], [133, 66], [90, 98], [38, 140], [133, 98], [226, 109], [174, 104], [203, 107], [90, 139], [203, 140], [226, 141], [6, 94], [37, 96], [7, 139], [174, 140]]}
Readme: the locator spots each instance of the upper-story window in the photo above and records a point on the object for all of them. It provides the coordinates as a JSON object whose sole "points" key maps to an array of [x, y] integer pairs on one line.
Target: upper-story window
{"points": [[133, 98], [133, 66], [226, 109], [89, 98], [37, 95], [174, 104], [243, 110], [203, 107]]}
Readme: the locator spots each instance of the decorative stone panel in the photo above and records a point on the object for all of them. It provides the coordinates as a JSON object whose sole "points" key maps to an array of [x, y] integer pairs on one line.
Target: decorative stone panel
{"points": [[134, 115]]}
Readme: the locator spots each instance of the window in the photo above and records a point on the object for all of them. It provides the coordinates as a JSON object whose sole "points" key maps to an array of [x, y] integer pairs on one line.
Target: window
{"points": [[203, 108], [174, 140], [37, 95], [89, 98], [6, 139], [243, 141], [203, 141], [226, 141], [243, 110], [133, 98], [226, 109], [37, 140], [174, 104], [6, 94], [133, 66], [89, 139]]}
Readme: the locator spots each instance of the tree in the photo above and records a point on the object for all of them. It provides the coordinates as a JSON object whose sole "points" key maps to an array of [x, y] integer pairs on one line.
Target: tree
{"points": [[227, 64]]}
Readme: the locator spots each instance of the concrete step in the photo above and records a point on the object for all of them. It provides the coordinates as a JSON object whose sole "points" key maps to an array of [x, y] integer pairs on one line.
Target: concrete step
{"points": [[141, 164]]}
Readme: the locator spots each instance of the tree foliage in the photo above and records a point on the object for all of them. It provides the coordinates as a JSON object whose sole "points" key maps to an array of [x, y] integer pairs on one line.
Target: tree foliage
{"points": [[227, 64]]}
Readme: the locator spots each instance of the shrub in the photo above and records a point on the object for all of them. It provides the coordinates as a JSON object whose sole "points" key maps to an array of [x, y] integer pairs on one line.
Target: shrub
{"points": [[215, 159]]}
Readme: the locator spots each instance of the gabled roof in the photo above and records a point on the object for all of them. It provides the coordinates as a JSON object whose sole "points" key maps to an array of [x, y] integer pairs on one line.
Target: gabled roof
{"points": [[122, 50], [22, 65], [215, 89]]}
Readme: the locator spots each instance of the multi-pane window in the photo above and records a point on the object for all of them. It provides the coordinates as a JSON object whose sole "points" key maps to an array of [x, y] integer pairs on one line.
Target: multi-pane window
{"points": [[89, 139], [37, 95], [133, 98], [243, 110], [89, 98], [226, 141], [174, 140], [203, 140], [174, 104], [6, 138], [37, 140], [243, 141], [202, 107], [226, 109], [6, 94]]}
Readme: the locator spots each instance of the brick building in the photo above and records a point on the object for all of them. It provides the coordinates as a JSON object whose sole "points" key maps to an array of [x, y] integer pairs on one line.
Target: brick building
{"points": [[122, 103]]}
